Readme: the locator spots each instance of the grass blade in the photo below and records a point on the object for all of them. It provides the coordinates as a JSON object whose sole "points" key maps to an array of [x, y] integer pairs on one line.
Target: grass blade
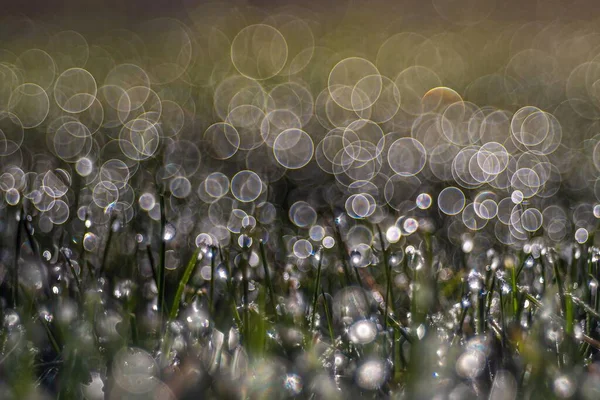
{"points": [[268, 279], [162, 265], [316, 291], [182, 284]]}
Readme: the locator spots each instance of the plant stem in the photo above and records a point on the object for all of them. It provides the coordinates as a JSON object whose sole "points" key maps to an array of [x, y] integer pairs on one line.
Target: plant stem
{"points": [[16, 267], [162, 266], [514, 292], [177, 300], [388, 275], [230, 290], [82, 250], [559, 283], [211, 298], [480, 312], [329, 322], [152, 265], [244, 264], [316, 292], [107, 245], [268, 279], [343, 252], [74, 273], [490, 293], [182, 283]]}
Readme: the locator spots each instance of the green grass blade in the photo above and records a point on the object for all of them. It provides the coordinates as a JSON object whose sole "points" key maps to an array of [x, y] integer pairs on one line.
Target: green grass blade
{"points": [[182, 284], [316, 291]]}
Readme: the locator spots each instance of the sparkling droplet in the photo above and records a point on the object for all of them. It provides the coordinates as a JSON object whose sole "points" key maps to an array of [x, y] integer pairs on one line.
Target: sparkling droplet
{"points": [[124, 289], [467, 246], [169, 233], [362, 332], [245, 241], [581, 235], [372, 374], [147, 201], [475, 281], [564, 387], [470, 364], [410, 225], [94, 390], [293, 384], [423, 201], [90, 242], [328, 242], [517, 197], [393, 234], [12, 196], [355, 257], [135, 370]]}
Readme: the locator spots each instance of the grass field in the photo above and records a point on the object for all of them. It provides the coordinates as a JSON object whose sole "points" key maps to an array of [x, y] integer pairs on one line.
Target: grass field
{"points": [[271, 203]]}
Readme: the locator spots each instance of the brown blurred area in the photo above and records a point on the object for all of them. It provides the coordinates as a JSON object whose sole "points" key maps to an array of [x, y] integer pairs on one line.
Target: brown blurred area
{"points": [[131, 10]]}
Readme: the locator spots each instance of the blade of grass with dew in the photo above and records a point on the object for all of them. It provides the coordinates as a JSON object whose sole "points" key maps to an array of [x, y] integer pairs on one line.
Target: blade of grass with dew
{"points": [[75, 276], [230, 289], [15, 272], [480, 312], [52, 339], [328, 316], [263, 255], [316, 291], [162, 265], [388, 287], [107, 245], [152, 265], [83, 252], [245, 296], [343, 252], [211, 297], [30, 239], [559, 284], [514, 292], [490, 294], [187, 273], [257, 330]]}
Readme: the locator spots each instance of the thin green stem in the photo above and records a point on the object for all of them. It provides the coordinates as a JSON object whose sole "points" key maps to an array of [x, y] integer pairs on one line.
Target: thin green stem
{"points": [[83, 252], [230, 289], [107, 245], [480, 312], [162, 255], [74, 273], [152, 265], [561, 290], [187, 273], [329, 321], [316, 291], [514, 292], [182, 284], [388, 275], [268, 279], [15, 274], [49, 333], [245, 298], [211, 298], [343, 252], [490, 292]]}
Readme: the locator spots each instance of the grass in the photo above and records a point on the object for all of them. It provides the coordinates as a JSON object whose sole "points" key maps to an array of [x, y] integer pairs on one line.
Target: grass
{"points": [[502, 303]]}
